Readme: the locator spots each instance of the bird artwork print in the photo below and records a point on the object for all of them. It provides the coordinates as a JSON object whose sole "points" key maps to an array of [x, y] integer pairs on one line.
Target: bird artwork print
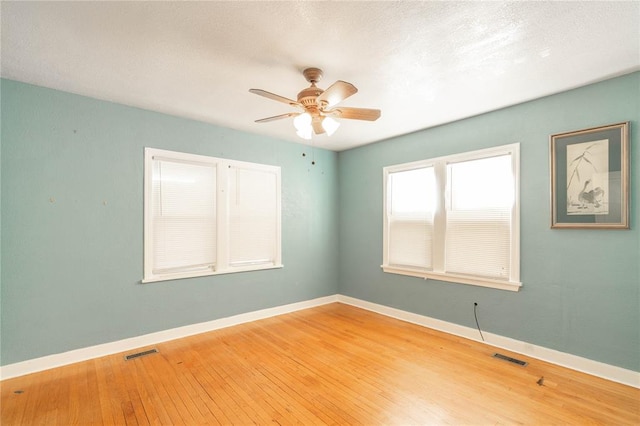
{"points": [[587, 178]]}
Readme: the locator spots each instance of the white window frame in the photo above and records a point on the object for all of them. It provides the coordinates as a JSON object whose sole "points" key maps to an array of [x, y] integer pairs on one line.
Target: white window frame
{"points": [[437, 272], [223, 167]]}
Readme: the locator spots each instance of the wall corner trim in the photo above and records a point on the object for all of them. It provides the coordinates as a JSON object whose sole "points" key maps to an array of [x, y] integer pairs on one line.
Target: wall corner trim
{"points": [[574, 362]]}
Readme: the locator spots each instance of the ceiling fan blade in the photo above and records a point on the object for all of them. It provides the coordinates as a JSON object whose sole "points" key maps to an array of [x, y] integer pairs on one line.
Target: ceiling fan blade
{"points": [[275, 97], [355, 113], [337, 92], [316, 123], [277, 117]]}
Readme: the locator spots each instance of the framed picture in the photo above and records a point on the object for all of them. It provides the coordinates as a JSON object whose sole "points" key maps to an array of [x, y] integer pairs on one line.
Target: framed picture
{"points": [[590, 178]]}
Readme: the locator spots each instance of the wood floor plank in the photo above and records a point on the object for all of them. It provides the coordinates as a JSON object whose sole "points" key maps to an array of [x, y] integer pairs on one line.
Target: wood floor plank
{"points": [[308, 373], [130, 404], [108, 393], [330, 365], [144, 388], [213, 384], [193, 394]]}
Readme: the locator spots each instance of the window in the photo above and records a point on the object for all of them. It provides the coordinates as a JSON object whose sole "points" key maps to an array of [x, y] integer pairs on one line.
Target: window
{"points": [[455, 218], [206, 215]]}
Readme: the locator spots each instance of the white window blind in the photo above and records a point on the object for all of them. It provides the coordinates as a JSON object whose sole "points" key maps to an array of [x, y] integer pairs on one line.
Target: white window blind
{"points": [[478, 233], [183, 216], [455, 218], [410, 211], [252, 216], [478, 243], [206, 215]]}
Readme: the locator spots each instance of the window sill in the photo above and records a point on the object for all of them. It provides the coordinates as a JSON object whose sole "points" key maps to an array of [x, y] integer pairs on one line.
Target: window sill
{"points": [[178, 276], [453, 278]]}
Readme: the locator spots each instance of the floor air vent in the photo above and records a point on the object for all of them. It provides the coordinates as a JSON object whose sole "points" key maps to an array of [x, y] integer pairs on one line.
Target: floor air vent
{"points": [[139, 354], [509, 359]]}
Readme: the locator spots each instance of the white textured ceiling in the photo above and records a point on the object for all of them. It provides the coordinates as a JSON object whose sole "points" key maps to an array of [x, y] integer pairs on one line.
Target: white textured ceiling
{"points": [[421, 63]]}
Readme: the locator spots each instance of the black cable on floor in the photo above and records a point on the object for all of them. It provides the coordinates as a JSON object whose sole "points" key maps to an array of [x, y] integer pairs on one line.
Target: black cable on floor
{"points": [[475, 314]]}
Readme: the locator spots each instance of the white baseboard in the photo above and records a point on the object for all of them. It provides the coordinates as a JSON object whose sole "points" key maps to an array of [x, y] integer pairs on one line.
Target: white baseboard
{"points": [[91, 352], [595, 368], [574, 362]]}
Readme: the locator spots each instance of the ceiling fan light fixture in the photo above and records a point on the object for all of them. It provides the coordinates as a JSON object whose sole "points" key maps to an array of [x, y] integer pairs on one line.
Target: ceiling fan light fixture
{"points": [[303, 126], [302, 122], [304, 133], [317, 105], [330, 125]]}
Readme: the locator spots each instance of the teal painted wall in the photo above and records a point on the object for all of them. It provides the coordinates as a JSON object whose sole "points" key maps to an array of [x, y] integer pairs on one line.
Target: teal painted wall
{"points": [[581, 291], [72, 217], [70, 268]]}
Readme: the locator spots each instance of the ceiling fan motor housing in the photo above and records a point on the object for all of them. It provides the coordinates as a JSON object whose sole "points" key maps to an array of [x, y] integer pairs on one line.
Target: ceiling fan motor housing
{"points": [[317, 102], [308, 96]]}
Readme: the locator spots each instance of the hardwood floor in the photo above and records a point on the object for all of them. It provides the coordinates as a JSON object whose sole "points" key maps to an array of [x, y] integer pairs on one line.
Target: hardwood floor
{"points": [[334, 364]]}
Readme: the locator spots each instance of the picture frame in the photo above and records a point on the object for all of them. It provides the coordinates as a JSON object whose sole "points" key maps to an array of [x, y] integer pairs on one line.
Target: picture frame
{"points": [[590, 178]]}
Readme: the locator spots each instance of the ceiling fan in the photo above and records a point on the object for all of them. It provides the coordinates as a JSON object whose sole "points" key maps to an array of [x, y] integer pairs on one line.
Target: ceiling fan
{"points": [[317, 107]]}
